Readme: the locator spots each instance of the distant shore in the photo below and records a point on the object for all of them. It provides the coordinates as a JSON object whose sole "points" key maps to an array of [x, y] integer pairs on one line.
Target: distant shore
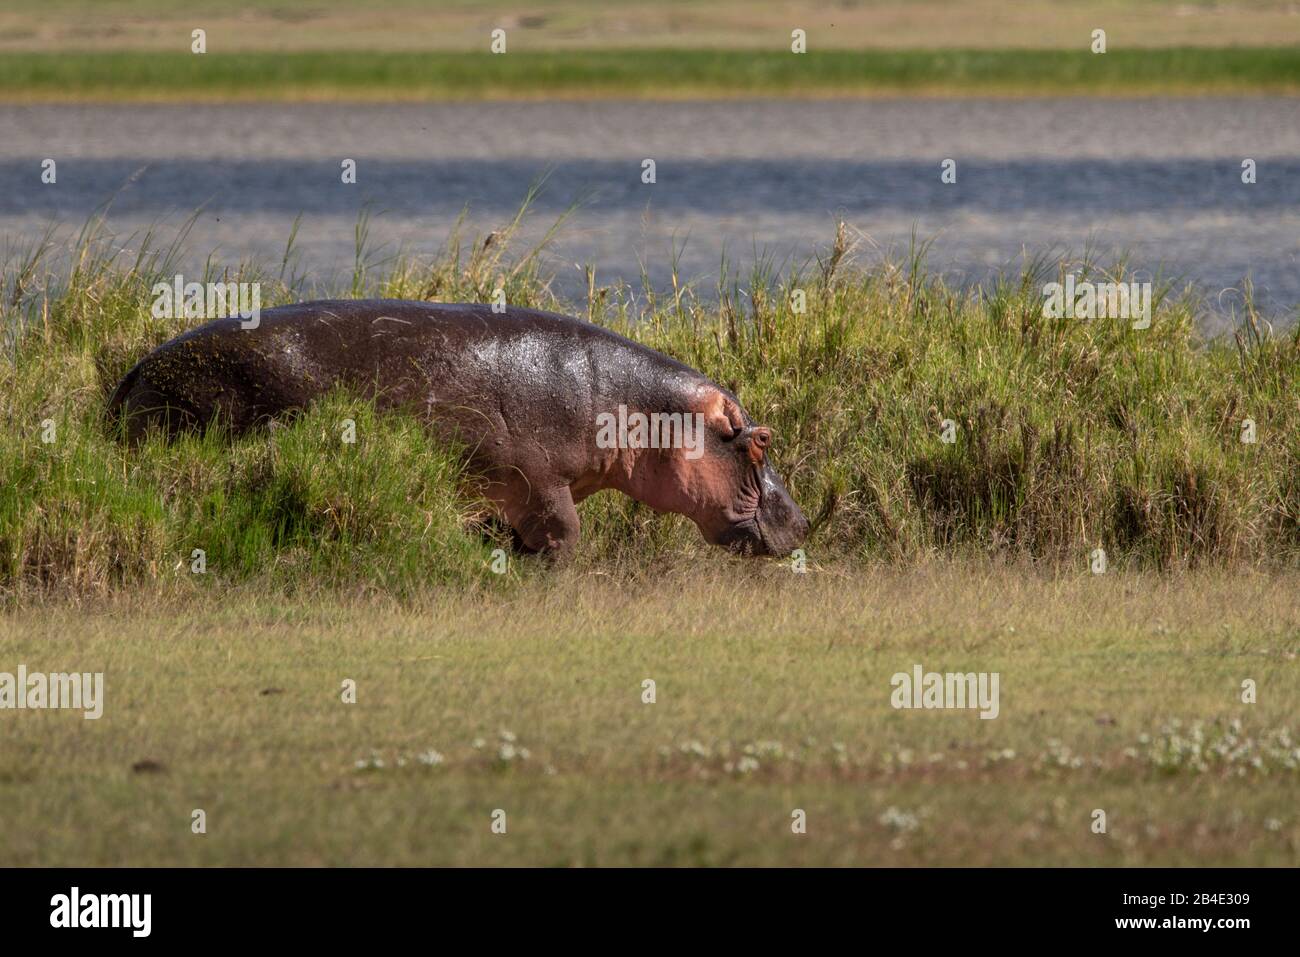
{"points": [[146, 76]]}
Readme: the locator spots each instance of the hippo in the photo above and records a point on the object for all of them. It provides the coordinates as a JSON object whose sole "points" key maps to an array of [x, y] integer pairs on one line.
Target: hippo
{"points": [[536, 398]]}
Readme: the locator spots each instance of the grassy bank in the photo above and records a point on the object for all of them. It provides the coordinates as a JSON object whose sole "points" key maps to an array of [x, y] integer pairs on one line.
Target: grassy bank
{"points": [[772, 693], [1069, 435], [361, 75]]}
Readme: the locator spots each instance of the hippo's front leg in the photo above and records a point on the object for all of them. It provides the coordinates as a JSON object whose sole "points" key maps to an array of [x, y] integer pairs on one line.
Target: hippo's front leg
{"points": [[545, 520]]}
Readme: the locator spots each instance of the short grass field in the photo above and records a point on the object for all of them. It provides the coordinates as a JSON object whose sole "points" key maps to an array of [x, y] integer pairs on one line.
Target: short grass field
{"points": [[523, 692], [1120, 694]]}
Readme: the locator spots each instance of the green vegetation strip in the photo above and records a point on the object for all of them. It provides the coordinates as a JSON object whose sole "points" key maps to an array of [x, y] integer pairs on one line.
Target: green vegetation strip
{"points": [[640, 73]]}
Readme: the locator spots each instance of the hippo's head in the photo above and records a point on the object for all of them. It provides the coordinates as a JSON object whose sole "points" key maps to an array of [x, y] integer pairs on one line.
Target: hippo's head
{"points": [[751, 512], [740, 501], [720, 479]]}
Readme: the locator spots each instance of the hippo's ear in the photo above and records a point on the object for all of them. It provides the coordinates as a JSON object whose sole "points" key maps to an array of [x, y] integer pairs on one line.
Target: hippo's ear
{"points": [[723, 415]]}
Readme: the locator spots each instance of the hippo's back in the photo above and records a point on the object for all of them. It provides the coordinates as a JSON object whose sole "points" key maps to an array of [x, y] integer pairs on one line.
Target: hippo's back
{"points": [[519, 363]]}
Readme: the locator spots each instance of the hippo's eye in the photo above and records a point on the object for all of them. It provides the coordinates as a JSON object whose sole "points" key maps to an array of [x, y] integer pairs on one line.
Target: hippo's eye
{"points": [[760, 437]]}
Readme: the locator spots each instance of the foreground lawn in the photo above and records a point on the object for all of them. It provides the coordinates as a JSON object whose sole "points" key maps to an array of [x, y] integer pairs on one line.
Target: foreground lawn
{"points": [[1118, 692], [666, 73]]}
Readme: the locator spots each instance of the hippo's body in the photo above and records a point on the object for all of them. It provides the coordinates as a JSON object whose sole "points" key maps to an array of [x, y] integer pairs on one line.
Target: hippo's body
{"points": [[522, 390]]}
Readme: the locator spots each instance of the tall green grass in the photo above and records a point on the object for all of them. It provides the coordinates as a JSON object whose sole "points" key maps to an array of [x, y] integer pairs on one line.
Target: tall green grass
{"points": [[1071, 435]]}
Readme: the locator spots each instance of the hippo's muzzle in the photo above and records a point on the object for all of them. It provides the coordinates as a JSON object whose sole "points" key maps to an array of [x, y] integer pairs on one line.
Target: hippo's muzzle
{"points": [[774, 526]]}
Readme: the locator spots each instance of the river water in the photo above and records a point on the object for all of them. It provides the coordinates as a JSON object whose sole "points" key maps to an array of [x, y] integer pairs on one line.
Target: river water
{"points": [[1157, 179]]}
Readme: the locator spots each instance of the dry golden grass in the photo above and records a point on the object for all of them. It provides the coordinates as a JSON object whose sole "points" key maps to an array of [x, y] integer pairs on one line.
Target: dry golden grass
{"points": [[235, 26]]}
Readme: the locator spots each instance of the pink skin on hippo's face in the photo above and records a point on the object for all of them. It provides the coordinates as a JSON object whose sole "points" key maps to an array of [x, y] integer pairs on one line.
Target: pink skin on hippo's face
{"points": [[731, 492], [752, 512]]}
